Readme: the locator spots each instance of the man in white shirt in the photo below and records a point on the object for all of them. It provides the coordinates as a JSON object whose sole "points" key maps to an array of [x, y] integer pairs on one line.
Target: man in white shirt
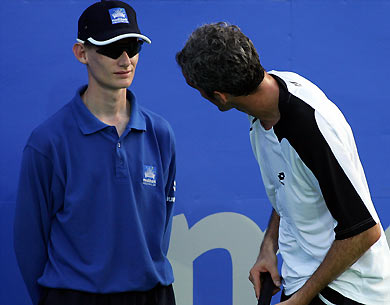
{"points": [[323, 222]]}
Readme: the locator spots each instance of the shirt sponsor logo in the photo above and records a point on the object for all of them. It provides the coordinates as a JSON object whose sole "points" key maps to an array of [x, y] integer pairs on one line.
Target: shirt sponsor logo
{"points": [[172, 198], [281, 177], [296, 84], [118, 15], [149, 175]]}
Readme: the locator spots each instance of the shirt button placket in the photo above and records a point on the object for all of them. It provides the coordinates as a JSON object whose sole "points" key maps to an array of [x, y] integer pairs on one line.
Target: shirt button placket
{"points": [[120, 160], [120, 157]]}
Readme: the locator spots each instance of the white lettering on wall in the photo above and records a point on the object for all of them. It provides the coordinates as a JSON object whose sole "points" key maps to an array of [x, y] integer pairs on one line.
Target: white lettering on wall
{"points": [[234, 232], [231, 231]]}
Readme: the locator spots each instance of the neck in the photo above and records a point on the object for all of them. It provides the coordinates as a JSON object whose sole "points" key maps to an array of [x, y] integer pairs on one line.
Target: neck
{"points": [[105, 103], [263, 103], [110, 107]]}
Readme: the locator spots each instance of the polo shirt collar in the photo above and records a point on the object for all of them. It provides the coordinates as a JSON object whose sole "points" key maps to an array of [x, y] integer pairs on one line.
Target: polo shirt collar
{"points": [[284, 94], [137, 119], [89, 123]]}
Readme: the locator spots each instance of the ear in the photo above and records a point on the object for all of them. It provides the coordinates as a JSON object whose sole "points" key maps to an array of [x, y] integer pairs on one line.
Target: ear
{"points": [[80, 52], [221, 97]]}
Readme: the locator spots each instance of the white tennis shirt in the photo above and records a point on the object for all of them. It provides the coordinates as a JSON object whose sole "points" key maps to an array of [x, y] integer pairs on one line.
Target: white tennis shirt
{"points": [[315, 181]]}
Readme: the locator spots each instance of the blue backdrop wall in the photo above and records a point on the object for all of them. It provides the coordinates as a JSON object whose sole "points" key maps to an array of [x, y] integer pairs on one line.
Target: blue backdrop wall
{"points": [[343, 46]]}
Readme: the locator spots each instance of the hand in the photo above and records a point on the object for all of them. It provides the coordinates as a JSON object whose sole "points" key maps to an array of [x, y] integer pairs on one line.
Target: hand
{"points": [[264, 264]]}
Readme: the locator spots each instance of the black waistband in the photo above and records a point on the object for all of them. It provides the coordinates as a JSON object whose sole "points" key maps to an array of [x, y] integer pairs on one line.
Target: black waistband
{"points": [[337, 298], [331, 295]]}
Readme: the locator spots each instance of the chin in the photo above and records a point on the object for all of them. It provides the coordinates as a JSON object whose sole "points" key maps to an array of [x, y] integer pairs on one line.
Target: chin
{"points": [[124, 85]]}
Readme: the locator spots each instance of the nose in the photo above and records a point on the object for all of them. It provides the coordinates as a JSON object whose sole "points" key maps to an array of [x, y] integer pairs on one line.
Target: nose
{"points": [[124, 60]]}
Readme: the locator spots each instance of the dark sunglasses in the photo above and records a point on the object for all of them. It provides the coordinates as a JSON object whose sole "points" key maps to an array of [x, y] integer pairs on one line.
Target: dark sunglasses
{"points": [[115, 50]]}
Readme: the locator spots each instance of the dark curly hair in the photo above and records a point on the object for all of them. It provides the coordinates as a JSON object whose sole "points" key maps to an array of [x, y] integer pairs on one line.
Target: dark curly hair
{"points": [[219, 57]]}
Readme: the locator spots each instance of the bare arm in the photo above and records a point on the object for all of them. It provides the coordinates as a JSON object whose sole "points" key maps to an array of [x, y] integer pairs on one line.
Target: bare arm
{"points": [[341, 255], [267, 260]]}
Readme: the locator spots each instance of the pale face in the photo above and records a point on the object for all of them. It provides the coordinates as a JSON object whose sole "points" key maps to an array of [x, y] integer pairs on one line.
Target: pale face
{"points": [[109, 73]]}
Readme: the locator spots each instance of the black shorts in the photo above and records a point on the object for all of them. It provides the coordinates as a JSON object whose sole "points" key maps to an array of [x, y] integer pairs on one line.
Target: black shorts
{"points": [[329, 294], [159, 295]]}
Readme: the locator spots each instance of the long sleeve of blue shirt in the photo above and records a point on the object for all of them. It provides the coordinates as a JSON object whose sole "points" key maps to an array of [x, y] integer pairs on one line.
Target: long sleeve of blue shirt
{"points": [[32, 218], [170, 190]]}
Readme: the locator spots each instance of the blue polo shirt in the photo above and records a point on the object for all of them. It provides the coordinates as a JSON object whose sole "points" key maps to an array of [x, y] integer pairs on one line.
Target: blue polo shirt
{"points": [[94, 210]]}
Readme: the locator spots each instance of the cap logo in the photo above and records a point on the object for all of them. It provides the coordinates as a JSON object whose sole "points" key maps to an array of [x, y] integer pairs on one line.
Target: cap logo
{"points": [[118, 15]]}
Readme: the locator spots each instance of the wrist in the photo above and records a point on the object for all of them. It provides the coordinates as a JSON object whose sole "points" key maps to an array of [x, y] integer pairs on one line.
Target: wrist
{"points": [[269, 246], [299, 298]]}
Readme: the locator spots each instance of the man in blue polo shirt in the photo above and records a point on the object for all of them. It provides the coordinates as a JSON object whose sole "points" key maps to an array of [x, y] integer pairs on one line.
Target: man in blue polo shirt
{"points": [[96, 192]]}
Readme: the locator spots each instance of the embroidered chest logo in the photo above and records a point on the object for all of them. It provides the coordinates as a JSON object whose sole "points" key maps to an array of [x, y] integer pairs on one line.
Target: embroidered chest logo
{"points": [[118, 15], [149, 175], [281, 177]]}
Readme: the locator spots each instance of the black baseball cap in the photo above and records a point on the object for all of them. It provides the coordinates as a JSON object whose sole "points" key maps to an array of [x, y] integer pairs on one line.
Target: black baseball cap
{"points": [[105, 22]]}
